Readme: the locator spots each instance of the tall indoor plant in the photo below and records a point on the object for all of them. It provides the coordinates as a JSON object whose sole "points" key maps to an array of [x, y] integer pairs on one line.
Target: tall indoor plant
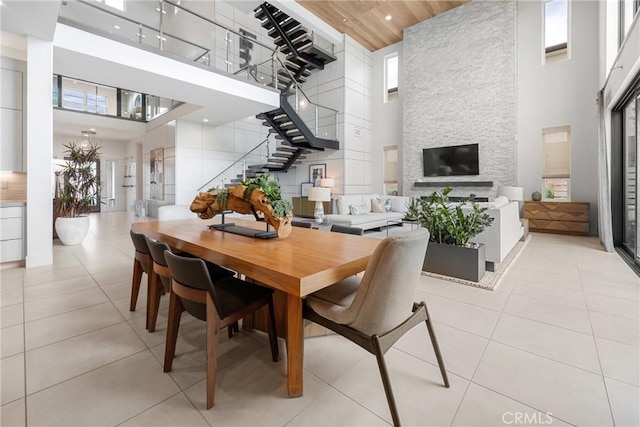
{"points": [[80, 191], [451, 227]]}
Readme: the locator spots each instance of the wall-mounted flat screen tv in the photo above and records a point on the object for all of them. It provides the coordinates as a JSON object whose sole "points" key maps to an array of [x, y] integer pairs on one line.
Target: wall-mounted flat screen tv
{"points": [[451, 161]]}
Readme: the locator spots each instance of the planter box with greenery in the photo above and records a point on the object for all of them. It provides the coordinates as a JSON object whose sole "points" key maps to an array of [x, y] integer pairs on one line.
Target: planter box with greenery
{"points": [[451, 227], [79, 191]]}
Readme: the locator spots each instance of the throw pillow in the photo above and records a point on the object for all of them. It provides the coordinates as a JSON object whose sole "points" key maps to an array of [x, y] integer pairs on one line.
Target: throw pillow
{"points": [[356, 210], [387, 205], [377, 206], [500, 201]]}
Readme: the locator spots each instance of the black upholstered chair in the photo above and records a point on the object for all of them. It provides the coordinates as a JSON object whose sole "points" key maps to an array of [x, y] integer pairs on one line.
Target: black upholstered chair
{"points": [[347, 230], [220, 303], [376, 311], [157, 288]]}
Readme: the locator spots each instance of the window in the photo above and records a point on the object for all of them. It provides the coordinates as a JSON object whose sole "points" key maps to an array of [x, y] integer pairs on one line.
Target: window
{"points": [[391, 77], [391, 170], [628, 9], [78, 100], [556, 163], [556, 30]]}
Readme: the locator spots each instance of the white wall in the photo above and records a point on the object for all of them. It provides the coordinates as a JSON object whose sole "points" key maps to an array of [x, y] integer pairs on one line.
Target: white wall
{"points": [[387, 123], [557, 94], [39, 119]]}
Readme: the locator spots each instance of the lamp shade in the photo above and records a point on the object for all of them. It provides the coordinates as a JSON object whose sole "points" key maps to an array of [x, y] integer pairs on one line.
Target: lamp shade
{"points": [[319, 194], [512, 193], [327, 182]]}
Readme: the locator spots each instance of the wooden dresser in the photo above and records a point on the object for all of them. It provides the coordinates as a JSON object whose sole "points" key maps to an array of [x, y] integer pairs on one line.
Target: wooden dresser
{"points": [[558, 217]]}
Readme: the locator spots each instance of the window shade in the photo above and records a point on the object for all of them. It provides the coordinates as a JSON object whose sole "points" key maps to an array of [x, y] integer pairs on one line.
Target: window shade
{"points": [[391, 164], [556, 153]]}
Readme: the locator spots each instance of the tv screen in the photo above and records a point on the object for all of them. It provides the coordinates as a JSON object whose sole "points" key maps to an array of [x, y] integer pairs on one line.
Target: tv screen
{"points": [[451, 161]]}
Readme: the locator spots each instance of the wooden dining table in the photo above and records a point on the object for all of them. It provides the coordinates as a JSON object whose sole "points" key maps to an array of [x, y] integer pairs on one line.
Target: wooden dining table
{"points": [[304, 262]]}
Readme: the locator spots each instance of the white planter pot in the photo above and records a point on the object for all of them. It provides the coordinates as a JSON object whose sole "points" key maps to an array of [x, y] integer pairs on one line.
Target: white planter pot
{"points": [[72, 231]]}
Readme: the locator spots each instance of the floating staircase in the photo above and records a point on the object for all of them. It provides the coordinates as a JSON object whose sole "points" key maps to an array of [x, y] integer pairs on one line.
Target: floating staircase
{"points": [[302, 56]]}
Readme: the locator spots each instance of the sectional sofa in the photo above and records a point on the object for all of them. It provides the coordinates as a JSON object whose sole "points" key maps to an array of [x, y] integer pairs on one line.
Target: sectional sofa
{"points": [[344, 205]]}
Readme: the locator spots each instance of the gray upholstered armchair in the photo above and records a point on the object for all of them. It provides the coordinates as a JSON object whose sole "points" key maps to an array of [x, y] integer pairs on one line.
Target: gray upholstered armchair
{"points": [[376, 311]]}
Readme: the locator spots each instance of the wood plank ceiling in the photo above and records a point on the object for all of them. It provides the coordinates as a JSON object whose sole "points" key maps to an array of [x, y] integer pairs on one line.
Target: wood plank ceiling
{"points": [[365, 20]]}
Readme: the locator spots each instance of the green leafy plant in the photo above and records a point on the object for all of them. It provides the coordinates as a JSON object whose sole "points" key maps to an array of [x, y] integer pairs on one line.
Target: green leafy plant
{"points": [[550, 193], [222, 197], [271, 189], [413, 209], [81, 185], [449, 223]]}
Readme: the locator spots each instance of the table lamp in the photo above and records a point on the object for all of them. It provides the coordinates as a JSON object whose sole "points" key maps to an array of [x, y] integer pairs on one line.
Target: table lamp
{"points": [[319, 195], [327, 182]]}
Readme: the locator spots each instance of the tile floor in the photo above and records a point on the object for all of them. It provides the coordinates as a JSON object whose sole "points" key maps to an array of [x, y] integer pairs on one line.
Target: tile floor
{"points": [[557, 343]]}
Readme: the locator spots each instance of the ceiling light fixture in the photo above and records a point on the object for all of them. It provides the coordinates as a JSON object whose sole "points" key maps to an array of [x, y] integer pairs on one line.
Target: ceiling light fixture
{"points": [[92, 129], [388, 17], [344, 20], [116, 27], [205, 120]]}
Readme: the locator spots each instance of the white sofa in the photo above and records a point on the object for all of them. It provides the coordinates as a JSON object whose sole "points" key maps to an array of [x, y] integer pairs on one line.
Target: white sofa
{"points": [[368, 219], [504, 232]]}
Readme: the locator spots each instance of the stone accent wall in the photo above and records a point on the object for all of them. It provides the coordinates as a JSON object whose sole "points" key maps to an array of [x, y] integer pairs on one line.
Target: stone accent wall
{"points": [[459, 81]]}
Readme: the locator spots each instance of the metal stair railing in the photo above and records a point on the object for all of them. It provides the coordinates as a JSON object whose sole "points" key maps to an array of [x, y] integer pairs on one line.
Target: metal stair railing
{"points": [[244, 169]]}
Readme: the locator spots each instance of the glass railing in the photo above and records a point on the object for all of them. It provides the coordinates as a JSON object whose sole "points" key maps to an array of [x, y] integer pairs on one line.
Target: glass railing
{"points": [[87, 97], [169, 27], [322, 43]]}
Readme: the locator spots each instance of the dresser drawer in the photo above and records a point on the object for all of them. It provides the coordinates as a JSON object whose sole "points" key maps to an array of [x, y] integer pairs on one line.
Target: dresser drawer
{"points": [[11, 228], [11, 250], [11, 212]]}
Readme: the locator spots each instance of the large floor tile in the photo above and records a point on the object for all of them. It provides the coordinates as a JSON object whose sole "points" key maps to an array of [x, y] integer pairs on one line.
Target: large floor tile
{"points": [[38, 277], [431, 285], [175, 411], [103, 397], [612, 305], [259, 384], [624, 400], [470, 318], [11, 340], [494, 300], [570, 394], [122, 289], [122, 305], [46, 307], [619, 361], [12, 378], [11, 278], [66, 359], [560, 315], [563, 345], [333, 408], [482, 407], [62, 326], [616, 328], [420, 394], [53, 289], [11, 315], [330, 357], [622, 275], [568, 279], [460, 350], [117, 275], [611, 288], [553, 293], [188, 324], [11, 296], [13, 414]]}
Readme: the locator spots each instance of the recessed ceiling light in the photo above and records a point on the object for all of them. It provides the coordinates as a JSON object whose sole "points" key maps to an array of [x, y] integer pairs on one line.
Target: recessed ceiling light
{"points": [[92, 129], [205, 120], [116, 27], [388, 17], [344, 19], [75, 82]]}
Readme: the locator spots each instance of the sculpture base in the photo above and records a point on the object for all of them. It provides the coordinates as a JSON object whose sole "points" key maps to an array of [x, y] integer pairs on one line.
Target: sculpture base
{"points": [[230, 227]]}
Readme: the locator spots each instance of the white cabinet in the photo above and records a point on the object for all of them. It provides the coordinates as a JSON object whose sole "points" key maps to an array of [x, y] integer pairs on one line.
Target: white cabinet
{"points": [[11, 118], [11, 233]]}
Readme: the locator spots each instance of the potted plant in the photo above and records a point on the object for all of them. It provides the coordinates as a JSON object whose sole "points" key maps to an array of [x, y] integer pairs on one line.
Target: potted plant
{"points": [[413, 209], [80, 191], [451, 226]]}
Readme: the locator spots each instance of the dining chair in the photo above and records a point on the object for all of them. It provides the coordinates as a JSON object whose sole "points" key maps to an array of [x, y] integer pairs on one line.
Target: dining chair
{"points": [[220, 303], [157, 288], [142, 263], [376, 311], [347, 230], [302, 224]]}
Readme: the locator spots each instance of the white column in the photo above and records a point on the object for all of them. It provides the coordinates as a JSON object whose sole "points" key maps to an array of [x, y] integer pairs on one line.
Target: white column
{"points": [[39, 131]]}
